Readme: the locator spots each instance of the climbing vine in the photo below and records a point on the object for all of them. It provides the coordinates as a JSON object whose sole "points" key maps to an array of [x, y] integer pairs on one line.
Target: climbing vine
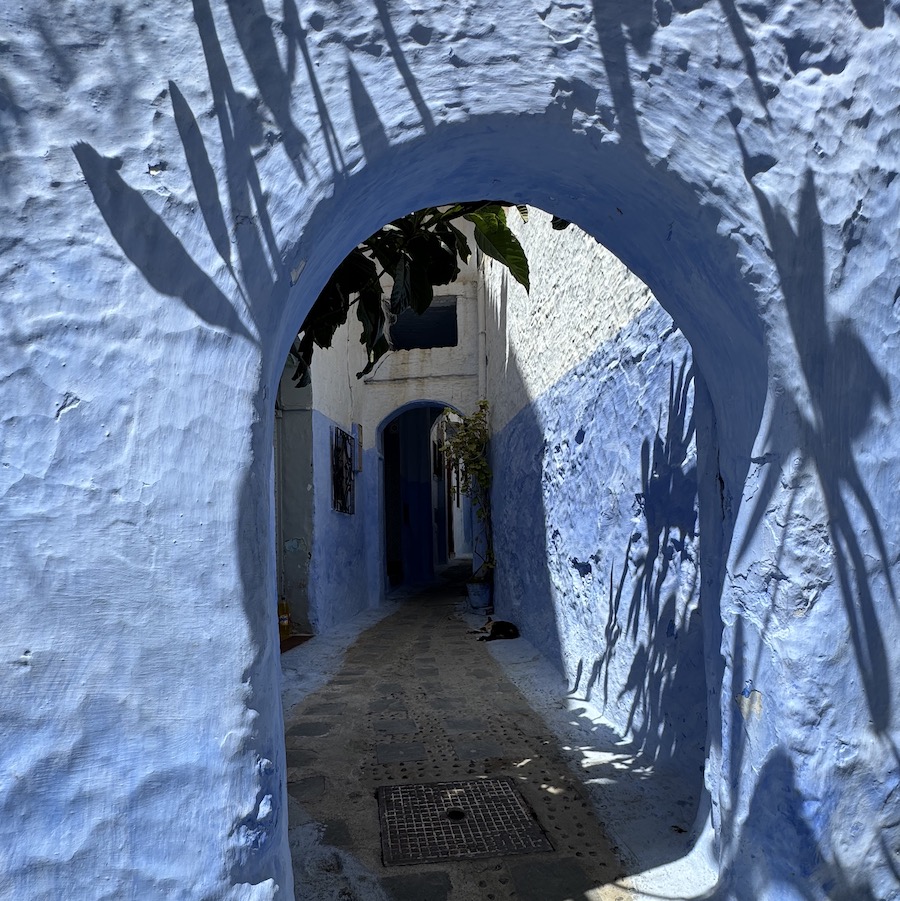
{"points": [[466, 446]]}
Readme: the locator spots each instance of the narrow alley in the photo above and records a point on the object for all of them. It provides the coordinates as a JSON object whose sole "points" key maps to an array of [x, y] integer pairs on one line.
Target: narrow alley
{"points": [[418, 700]]}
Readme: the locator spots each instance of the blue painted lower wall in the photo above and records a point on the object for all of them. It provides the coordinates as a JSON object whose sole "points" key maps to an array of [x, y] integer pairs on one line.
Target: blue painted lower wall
{"points": [[340, 578], [595, 522], [347, 569]]}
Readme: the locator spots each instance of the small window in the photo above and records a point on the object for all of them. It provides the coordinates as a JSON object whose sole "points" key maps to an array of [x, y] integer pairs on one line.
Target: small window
{"points": [[341, 470], [436, 327]]}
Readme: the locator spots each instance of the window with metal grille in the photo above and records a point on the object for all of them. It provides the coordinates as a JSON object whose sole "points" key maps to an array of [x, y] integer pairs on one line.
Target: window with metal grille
{"points": [[341, 470]]}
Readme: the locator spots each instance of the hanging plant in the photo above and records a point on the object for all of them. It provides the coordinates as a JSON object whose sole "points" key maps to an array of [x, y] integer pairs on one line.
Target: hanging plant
{"points": [[417, 252]]}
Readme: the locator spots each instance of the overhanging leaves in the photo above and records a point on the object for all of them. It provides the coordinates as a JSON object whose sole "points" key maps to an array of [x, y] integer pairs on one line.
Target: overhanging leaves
{"points": [[417, 251], [494, 238], [401, 293]]}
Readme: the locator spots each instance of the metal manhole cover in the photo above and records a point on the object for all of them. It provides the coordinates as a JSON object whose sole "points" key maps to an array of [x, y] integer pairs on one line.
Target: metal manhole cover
{"points": [[454, 820]]}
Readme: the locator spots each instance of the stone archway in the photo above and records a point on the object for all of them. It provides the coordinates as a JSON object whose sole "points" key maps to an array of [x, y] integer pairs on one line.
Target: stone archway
{"points": [[741, 162]]}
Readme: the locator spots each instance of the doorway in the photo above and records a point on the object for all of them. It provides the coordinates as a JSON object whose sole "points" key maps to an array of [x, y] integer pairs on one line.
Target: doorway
{"points": [[427, 519]]}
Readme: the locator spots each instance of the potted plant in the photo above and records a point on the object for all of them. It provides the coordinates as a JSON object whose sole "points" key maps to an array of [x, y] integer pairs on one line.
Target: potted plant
{"points": [[466, 445]]}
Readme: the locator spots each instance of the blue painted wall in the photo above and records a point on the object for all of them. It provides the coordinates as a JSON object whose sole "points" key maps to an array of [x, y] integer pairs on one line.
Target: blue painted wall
{"points": [[411, 513], [742, 158], [339, 582], [595, 519]]}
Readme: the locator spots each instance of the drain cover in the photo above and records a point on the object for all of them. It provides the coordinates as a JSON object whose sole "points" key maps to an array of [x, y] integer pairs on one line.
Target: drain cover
{"points": [[454, 820]]}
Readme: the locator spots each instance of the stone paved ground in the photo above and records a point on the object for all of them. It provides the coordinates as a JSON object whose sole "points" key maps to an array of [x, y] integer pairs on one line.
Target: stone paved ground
{"points": [[419, 700]]}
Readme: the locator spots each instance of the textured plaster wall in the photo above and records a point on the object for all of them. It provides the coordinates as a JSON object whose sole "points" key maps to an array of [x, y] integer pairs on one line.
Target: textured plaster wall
{"points": [[581, 297], [445, 375], [178, 181], [595, 500], [440, 374], [294, 486], [337, 577]]}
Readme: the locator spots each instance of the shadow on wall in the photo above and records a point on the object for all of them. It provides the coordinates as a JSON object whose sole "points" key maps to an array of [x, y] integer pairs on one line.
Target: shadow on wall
{"points": [[617, 428], [168, 267], [665, 682], [626, 27], [844, 388], [779, 814], [563, 466], [832, 403], [843, 381]]}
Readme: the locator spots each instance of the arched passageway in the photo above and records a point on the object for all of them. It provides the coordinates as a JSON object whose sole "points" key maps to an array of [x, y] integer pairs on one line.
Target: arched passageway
{"points": [[741, 162], [733, 346], [426, 519], [581, 419]]}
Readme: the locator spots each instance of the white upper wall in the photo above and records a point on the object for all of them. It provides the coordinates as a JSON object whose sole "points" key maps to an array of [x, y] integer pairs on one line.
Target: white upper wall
{"points": [[535, 338], [447, 375]]}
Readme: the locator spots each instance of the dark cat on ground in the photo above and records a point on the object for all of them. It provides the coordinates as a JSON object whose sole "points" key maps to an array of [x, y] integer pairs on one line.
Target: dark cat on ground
{"points": [[494, 629]]}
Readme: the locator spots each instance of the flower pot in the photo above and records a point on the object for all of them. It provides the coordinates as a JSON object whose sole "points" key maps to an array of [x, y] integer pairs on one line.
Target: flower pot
{"points": [[479, 596]]}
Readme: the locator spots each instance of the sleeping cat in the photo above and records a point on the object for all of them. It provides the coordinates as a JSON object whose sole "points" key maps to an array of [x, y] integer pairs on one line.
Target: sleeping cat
{"points": [[496, 628]]}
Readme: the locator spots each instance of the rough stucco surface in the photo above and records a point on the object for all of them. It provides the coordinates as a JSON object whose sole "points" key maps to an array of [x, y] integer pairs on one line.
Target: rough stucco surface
{"points": [[178, 181], [595, 499], [580, 298], [597, 547], [338, 588]]}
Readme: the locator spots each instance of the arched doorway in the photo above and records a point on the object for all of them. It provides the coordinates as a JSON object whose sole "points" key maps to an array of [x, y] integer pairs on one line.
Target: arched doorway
{"points": [[426, 517], [700, 318], [730, 375]]}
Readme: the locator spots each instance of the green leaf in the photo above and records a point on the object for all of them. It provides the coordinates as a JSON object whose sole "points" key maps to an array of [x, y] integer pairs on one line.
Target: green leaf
{"points": [[462, 242], [302, 351], [431, 252], [493, 237], [467, 447], [327, 315], [401, 293], [420, 250], [355, 272], [385, 245], [421, 290], [371, 315], [375, 353]]}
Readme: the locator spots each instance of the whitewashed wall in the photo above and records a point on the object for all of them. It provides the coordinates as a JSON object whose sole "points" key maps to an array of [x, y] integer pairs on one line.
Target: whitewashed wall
{"points": [[581, 297]]}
